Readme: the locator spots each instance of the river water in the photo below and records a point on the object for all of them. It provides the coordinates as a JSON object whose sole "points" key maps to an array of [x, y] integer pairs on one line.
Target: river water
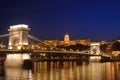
{"points": [[64, 71]]}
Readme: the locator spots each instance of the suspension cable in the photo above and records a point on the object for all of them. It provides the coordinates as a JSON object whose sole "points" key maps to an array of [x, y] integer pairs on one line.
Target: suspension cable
{"points": [[34, 38], [4, 35]]}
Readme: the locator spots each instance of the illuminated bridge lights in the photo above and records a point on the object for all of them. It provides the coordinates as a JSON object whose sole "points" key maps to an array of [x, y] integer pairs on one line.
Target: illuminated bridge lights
{"points": [[18, 37]]}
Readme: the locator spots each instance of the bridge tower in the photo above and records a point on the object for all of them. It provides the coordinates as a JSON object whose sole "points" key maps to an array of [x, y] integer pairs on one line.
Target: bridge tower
{"points": [[18, 36], [95, 48]]}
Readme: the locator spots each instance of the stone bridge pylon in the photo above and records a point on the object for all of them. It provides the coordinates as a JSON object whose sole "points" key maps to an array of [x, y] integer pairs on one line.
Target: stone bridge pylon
{"points": [[95, 48], [18, 36]]}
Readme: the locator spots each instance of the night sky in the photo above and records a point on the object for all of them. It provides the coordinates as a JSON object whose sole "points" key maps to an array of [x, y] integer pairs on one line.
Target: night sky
{"points": [[51, 19]]}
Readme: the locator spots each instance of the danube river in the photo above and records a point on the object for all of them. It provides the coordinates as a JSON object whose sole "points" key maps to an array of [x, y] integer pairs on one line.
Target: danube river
{"points": [[64, 71]]}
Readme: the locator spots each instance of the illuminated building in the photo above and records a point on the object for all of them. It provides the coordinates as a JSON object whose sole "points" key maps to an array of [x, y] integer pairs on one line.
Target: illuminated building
{"points": [[82, 41], [102, 42], [51, 42], [115, 50], [115, 53], [67, 41], [18, 36], [72, 43], [2, 46], [60, 43]]}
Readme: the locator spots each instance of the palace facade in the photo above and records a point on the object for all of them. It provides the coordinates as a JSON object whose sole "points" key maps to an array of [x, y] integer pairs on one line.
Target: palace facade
{"points": [[67, 41]]}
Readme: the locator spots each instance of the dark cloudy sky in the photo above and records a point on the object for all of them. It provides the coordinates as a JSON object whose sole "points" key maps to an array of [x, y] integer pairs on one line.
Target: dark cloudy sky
{"points": [[51, 19]]}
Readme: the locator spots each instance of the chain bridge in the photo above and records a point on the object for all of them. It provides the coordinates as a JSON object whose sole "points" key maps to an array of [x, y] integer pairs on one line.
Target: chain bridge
{"points": [[20, 46]]}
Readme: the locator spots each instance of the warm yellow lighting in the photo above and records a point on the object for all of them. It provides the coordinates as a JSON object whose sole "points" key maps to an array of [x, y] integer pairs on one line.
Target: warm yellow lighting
{"points": [[95, 48], [93, 44], [25, 43], [43, 54], [18, 36], [95, 58], [19, 26], [14, 60], [26, 56], [19, 47], [10, 47], [66, 37]]}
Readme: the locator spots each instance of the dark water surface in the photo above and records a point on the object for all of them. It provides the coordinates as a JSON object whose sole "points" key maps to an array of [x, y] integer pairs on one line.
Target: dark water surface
{"points": [[65, 71]]}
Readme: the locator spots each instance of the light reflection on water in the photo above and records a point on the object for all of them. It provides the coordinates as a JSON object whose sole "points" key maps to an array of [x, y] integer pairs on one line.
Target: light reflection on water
{"points": [[17, 74], [68, 71], [76, 71]]}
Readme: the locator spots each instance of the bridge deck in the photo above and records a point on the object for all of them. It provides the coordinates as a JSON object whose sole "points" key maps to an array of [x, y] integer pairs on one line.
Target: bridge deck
{"points": [[9, 51]]}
